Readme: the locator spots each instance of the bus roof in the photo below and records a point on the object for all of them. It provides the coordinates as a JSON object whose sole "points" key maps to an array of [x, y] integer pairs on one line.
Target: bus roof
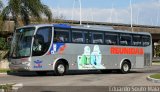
{"points": [[86, 27]]}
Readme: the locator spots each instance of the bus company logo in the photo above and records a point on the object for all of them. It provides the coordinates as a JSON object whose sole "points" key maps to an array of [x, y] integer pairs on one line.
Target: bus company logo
{"points": [[127, 51], [38, 64]]}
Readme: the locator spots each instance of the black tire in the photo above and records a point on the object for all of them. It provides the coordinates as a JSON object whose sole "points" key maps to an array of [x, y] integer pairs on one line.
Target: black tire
{"points": [[106, 71], [41, 73], [125, 68], [60, 69]]}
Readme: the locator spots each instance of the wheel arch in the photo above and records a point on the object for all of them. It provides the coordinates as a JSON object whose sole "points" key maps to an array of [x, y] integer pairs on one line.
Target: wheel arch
{"points": [[60, 60], [127, 60]]}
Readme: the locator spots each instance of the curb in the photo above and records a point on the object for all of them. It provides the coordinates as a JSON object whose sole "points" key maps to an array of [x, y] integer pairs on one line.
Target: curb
{"points": [[153, 79], [3, 73], [15, 87], [155, 63]]}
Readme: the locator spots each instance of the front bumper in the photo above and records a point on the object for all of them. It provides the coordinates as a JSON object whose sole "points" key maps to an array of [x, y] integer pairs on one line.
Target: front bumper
{"points": [[19, 67]]}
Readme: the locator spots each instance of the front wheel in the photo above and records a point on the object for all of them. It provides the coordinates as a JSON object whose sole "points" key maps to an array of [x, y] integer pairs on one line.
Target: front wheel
{"points": [[125, 68], [60, 69]]}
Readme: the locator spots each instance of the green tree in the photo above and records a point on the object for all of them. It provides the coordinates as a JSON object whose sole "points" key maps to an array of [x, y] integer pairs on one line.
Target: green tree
{"points": [[1, 4], [3, 44], [3, 47], [24, 9], [1, 20]]}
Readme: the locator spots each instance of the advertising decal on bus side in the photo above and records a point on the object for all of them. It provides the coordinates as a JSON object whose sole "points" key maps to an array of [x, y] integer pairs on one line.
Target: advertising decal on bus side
{"points": [[90, 60], [58, 47], [127, 51]]}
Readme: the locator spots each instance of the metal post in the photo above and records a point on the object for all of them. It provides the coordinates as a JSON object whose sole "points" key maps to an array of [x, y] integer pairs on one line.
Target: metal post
{"points": [[131, 15], [73, 10], [80, 6]]}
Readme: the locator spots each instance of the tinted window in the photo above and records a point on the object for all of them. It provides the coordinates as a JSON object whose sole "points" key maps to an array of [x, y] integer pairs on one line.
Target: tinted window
{"points": [[111, 39], [97, 38], [42, 41], [86, 37], [146, 40], [125, 39], [77, 36], [61, 35], [137, 41]]}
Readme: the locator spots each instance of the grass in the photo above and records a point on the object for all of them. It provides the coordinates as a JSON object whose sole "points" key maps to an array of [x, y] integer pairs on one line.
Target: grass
{"points": [[6, 87], [6, 71], [156, 76], [155, 61]]}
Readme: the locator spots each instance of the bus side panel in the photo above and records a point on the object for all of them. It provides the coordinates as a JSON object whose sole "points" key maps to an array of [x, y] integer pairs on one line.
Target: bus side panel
{"points": [[70, 53], [43, 63], [114, 61], [83, 57], [148, 55], [139, 62], [110, 61], [88, 57]]}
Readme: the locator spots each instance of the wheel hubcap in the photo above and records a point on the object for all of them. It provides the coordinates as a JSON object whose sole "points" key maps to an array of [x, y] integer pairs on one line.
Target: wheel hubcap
{"points": [[125, 67], [61, 68]]}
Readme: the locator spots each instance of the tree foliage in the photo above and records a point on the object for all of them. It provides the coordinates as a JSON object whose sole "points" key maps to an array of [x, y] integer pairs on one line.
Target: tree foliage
{"points": [[1, 4], [24, 9], [3, 44]]}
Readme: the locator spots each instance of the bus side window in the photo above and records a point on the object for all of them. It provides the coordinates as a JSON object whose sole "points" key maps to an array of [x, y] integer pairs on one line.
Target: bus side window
{"points": [[137, 41], [111, 38], [61, 35], [87, 37], [146, 40], [125, 39], [77, 36], [97, 38]]}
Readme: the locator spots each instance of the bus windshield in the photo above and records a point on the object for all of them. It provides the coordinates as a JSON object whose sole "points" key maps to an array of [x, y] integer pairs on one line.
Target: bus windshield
{"points": [[21, 43]]}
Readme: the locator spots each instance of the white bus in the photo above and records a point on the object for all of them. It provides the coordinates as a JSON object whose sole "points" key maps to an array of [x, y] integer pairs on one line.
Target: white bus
{"points": [[61, 47]]}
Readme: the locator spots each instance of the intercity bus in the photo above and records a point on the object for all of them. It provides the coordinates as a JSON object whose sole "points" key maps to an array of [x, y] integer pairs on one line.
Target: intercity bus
{"points": [[61, 47]]}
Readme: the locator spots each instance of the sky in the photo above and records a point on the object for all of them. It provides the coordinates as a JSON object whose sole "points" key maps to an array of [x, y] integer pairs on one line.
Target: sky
{"points": [[145, 12]]}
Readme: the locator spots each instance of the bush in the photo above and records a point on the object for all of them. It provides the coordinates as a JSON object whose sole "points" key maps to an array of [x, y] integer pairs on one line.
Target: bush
{"points": [[6, 87], [5, 70], [3, 44]]}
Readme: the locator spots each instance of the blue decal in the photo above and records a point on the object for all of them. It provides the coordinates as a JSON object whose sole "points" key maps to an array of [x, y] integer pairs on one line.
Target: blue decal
{"points": [[51, 51], [62, 25], [56, 48], [38, 64]]}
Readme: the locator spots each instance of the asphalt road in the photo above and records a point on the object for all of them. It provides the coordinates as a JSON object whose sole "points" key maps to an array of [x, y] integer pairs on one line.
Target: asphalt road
{"points": [[84, 78], [90, 81]]}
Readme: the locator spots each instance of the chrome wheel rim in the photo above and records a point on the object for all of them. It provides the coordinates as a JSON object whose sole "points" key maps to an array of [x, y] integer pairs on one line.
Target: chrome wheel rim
{"points": [[61, 68], [125, 67]]}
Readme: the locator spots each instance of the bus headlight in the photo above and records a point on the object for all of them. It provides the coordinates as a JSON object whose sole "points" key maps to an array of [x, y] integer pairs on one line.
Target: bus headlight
{"points": [[26, 63]]}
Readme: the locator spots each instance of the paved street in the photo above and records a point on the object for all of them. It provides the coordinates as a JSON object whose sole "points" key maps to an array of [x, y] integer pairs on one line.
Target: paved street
{"points": [[85, 78]]}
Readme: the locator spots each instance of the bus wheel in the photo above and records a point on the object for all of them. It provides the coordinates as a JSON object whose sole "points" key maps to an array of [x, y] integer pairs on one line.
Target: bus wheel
{"points": [[60, 69], [125, 68], [41, 73]]}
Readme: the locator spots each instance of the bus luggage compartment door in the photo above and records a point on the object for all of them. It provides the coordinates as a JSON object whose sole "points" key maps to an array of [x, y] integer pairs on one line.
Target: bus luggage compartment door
{"points": [[139, 62]]}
